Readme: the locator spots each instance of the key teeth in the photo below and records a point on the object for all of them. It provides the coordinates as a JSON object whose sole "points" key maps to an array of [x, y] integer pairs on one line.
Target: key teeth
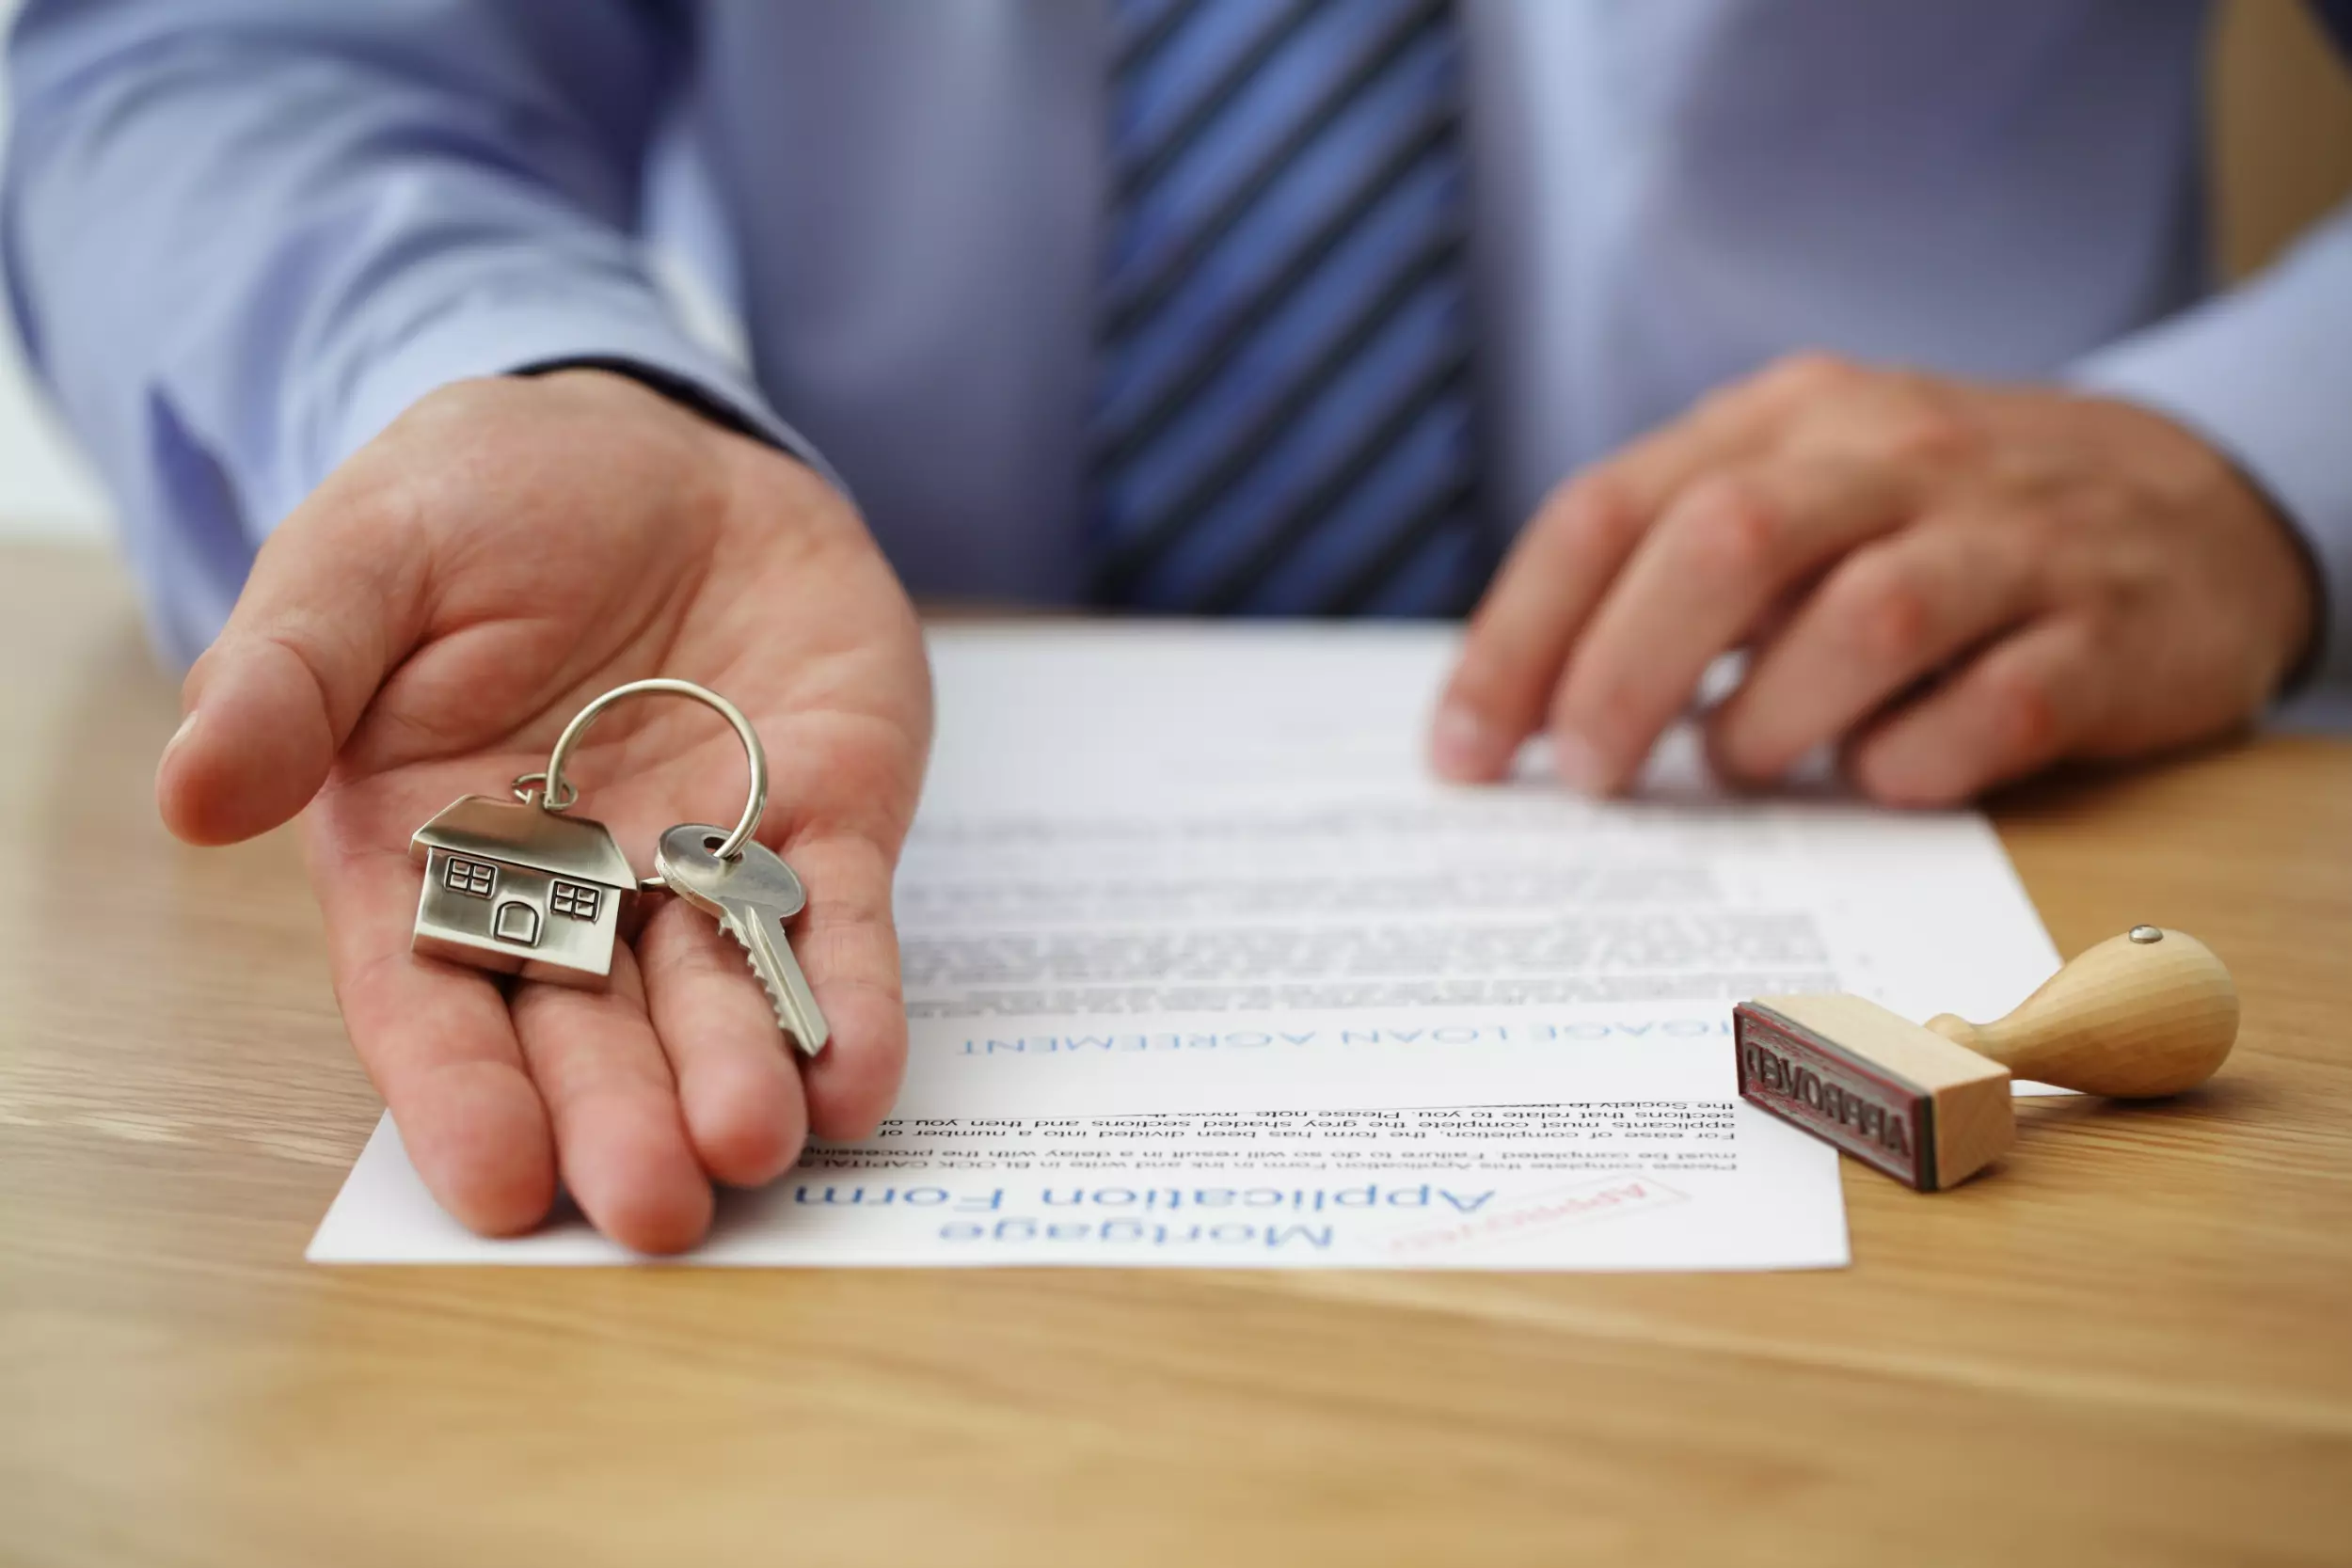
{"points": [[775, 1003]]}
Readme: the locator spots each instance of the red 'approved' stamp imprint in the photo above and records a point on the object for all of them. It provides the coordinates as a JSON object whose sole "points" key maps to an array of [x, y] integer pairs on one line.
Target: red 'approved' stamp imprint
{"points": [[1534, 1213]]}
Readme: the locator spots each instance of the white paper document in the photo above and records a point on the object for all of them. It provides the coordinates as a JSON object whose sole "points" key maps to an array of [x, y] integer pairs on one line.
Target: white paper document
{"points": [[1203, 968]]}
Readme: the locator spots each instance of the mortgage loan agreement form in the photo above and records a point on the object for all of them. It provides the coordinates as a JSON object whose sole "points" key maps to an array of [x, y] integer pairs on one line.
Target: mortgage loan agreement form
{"points": [[1203, 968]]}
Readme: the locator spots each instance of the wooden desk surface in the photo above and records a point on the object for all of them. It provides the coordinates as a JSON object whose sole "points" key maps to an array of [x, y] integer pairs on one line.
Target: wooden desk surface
{"points": [[2133, 1345]]}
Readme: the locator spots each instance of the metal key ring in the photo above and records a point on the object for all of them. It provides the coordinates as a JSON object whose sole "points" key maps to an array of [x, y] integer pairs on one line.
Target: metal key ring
{"points": [[557, 793]]}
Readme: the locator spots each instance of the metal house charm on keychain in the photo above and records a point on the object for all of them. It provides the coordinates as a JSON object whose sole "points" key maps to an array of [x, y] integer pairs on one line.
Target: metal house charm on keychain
{"points": [[518, 889]]}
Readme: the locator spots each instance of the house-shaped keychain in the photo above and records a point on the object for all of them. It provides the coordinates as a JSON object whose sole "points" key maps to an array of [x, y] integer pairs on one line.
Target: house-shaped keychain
{"points": [[520, 889]]}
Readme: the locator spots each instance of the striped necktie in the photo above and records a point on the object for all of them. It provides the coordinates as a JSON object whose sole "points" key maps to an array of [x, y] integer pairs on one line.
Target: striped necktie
{"points": [[1282, 420]]}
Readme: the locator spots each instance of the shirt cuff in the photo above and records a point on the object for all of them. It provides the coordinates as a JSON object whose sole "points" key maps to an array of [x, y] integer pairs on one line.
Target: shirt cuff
{"points": [[2263, 373], [506, 341]]}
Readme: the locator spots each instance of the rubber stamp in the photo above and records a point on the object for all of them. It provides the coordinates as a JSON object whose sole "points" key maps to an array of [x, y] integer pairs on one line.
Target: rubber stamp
{"points": [[2149, 1013]]}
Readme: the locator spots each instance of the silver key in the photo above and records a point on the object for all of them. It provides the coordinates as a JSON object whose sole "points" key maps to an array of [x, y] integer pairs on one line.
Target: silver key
{"points": [[751, 896]]}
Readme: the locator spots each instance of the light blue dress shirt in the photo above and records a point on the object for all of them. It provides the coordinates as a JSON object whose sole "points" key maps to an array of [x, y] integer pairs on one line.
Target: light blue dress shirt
{"points": [[242, 236]]}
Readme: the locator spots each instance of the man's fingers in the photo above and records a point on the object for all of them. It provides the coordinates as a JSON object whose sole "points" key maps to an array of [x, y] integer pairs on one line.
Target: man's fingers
{"points": [[1887, 616], [1725, 550], [735, 1080], [255, 744], [621, 1140], [1522, 630], [333, 603], [849, 948], [2017, 707], [438, 1043], [1563, 563]]}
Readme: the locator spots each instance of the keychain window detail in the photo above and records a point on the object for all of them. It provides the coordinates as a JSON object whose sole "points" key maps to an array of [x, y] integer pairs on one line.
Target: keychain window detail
{"points": [[473, 879], [570, 899]]}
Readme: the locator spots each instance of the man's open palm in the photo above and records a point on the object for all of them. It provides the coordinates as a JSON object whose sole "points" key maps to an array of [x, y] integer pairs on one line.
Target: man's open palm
{"points": [[422, 628]]}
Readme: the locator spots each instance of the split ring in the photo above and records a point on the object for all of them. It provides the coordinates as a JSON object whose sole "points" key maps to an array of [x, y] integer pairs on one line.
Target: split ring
{"points": [[556, 793]]}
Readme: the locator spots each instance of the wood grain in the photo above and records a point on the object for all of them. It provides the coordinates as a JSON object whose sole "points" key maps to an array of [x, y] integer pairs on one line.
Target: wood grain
{"points": [[2278, 131], [2130, 1344]]}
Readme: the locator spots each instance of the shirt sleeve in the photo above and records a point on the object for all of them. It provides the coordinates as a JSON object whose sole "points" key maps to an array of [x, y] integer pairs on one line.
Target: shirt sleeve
{"points": [[2264, 373], [240, 236]]}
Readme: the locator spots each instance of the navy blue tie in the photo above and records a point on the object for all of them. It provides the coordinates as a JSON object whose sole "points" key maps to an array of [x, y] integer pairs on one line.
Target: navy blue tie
{"points": [[1284, 412]]}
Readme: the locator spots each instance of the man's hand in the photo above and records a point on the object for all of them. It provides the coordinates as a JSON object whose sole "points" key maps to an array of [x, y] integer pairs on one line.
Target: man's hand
{"points": [[1955, 584], [421, 627]]}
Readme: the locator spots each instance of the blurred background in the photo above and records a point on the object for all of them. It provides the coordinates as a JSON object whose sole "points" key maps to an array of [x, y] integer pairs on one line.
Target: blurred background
{"points": [[45, 488], [2281, 148]]}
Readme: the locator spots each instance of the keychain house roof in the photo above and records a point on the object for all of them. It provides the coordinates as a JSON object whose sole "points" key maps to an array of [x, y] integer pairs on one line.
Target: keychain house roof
{"points": [[518, 889]]}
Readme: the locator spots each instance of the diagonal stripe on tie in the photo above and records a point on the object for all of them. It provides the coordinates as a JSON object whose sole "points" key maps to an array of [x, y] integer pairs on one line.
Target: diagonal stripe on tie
{"points": [[1123, 566], [1125, 439], [1147, 165], [1140, 39], [1442, 512], [1131, 303], [1445, 378], [1286, 415]]}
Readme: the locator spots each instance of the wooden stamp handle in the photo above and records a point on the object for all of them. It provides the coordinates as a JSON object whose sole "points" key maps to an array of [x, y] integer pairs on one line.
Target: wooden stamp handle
{"points": [[2151, 1012]]}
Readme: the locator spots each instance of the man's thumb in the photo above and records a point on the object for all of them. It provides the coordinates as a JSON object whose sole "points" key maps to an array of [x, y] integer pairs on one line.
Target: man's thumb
{"points": [[276, 696]]}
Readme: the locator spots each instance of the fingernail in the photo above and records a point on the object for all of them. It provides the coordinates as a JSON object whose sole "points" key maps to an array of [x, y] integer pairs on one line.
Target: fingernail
{"points": [[178, 737], [1579, 767], [1461, 746]]}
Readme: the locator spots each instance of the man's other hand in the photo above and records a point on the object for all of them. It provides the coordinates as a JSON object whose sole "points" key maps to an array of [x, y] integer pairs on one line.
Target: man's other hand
{"points": [[421, 627], [1953, 584]]}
